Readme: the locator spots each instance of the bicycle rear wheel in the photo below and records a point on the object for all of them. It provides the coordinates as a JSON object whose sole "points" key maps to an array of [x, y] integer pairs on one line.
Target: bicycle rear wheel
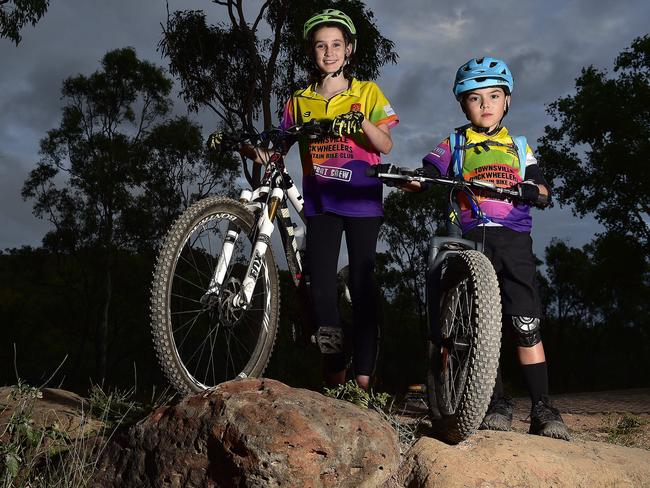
{"points": [[202, 339], [463, 366]]}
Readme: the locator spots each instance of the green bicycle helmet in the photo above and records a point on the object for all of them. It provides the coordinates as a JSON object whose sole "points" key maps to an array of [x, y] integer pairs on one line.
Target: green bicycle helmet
{"points": [[331, 15]]}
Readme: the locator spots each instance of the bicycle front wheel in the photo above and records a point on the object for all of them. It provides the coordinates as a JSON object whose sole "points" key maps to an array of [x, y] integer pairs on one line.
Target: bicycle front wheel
{"points": [[201, 338], [463, 365]]}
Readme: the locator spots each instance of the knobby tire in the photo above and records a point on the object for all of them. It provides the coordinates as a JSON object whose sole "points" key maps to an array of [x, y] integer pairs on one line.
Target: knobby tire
{"points": [[199, 347], [462, 369]]}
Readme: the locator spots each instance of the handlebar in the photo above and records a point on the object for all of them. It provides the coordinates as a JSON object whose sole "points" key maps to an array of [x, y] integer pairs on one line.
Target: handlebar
{"points": [[388, 172], [276, 136]]}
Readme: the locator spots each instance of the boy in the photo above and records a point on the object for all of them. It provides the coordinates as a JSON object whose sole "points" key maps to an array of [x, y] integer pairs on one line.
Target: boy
{"points": [[484, 150]]}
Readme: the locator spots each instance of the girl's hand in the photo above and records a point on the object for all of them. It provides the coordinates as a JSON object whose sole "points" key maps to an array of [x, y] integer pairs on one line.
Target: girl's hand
{"points": [[347, 123], [214, 140]]}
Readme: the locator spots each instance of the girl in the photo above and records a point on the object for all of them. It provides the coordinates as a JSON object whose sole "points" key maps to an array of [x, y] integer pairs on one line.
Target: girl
{"points": [[339, 197]]}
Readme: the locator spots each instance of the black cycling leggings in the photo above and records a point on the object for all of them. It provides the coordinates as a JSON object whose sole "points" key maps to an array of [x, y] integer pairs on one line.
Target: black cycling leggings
{"points": [[324, 233]]}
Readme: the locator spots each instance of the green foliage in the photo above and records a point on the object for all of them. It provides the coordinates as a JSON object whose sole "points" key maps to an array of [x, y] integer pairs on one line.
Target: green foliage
{"points": [[24, 443], [238, 67], [118, 408], [596, 298], [351, 392], [49, 304], [577, 276], [44, 456], [98, 148], [410, 221], [382, 403], [594, 154], [15, 14], [115, 174], [622, 429]]}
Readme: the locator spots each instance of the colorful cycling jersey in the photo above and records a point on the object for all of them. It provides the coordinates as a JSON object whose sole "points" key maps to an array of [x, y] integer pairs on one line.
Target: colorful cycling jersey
{"points": [[334, 168], [495, 163]]}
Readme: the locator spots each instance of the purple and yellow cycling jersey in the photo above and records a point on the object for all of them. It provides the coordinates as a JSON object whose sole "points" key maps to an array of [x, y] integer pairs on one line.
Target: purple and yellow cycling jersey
{"points": [[498, 164], [334, 169]]}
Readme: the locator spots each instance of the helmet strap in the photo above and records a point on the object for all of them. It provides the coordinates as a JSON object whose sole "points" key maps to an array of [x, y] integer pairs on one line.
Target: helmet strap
{"points": [[486, 130], [336, 73], [340, 70]]}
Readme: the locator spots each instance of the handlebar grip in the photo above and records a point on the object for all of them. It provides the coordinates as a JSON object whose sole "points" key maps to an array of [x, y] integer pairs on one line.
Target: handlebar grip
{"points": [[542, 200], [372, 171]]}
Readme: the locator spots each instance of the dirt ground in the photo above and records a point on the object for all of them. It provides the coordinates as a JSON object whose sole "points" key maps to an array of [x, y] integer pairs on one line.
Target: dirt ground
{"points": [[619, 417]]}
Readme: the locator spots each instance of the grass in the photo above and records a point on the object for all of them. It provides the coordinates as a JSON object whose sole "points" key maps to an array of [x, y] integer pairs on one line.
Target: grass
{"points": [[39, 456], [383, 404], [624, 430]]}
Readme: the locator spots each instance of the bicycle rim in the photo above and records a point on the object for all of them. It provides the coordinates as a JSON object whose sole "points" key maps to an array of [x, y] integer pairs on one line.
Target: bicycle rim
{"points": [[204, 340], [463, 362], [457, 342]]}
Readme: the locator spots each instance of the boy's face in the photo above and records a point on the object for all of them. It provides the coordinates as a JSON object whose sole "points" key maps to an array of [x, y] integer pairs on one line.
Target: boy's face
{"points": [[330, 49], [485, 107]]}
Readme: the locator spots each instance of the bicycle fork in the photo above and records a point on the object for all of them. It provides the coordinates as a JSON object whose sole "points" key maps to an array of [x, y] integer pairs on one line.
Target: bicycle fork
{"points": [[265, 228]]}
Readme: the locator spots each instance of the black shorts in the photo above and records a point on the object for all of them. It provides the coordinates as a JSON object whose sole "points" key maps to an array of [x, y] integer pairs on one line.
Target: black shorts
{"points": [[511, 254]]}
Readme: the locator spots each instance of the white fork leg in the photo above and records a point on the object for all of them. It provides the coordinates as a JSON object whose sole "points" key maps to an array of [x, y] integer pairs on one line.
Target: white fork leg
{"points": [[226, 251], [265, 229]]}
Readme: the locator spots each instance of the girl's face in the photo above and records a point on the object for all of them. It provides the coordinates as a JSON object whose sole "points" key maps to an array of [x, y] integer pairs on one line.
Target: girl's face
{"points": [[330, 49], [485, 107]]}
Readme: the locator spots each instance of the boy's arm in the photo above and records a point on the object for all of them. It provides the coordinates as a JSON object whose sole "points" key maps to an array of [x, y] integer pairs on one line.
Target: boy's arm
{"points": [[435, 163], [415, 186], [534, 174], [535, 189]]}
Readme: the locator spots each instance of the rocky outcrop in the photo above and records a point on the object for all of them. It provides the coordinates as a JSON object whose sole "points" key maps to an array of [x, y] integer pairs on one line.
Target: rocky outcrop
{"points": [[262, 433], [253, 433], [52, 407], [510, 459]]}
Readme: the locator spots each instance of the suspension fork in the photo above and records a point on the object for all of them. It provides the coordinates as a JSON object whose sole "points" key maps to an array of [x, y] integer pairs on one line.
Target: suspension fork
{"points": [[214, 287], [440, 249], [265, 228]]}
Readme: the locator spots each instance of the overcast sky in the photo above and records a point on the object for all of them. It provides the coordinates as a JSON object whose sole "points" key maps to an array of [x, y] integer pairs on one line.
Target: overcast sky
{"points": [[545, 43]]}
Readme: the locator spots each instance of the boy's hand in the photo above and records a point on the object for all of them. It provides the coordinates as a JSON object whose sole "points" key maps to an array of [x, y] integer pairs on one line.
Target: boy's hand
{"points": [[347, 123], [430, 171], [529, 192]]}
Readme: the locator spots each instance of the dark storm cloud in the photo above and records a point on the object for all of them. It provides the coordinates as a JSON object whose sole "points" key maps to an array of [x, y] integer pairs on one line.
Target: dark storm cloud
{"points": [[545, 43], [71, 39]]}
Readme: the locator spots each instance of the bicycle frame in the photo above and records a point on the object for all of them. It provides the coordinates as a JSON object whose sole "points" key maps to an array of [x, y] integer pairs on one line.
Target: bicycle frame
{"points": [[440, 249], [269, 201]]}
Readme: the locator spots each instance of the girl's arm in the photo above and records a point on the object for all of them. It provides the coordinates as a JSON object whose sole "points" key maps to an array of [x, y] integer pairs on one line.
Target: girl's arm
{"points": [[378, 135], [257, 154]]}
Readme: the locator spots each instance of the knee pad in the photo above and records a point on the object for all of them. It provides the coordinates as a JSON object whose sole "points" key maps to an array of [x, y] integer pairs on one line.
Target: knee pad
{"points": [[526, 330], [329, 339]]}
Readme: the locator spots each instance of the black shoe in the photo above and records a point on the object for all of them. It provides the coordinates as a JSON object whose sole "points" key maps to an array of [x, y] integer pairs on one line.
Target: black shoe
{"points": [[546, 420], [499, 414]]}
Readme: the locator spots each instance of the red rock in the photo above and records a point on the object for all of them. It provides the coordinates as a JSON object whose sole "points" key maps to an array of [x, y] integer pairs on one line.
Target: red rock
{"points": [[254, 432]]}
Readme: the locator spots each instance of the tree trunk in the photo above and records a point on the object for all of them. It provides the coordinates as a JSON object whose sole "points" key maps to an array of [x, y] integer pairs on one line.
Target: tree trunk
{"points": [[102, 333], [102, 329]]}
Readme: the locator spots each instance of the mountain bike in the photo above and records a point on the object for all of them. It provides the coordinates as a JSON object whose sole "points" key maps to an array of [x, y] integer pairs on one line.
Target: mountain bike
{"points": [[215, 297], [463, 304]]}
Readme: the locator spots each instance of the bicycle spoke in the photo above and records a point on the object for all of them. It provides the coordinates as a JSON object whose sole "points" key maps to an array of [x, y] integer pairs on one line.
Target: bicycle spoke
{"points": [[211, 361], [187, 311], [193, 323], [183, 297], [182, 278], [213, 341], [194, 267]]}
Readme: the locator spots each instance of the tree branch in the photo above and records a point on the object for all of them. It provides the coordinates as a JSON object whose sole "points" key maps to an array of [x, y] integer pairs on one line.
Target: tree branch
{"points": [[260, 15]]}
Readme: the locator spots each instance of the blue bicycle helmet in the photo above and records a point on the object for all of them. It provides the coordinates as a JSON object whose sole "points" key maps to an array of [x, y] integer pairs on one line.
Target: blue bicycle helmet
{"points": [[482, 73]]}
